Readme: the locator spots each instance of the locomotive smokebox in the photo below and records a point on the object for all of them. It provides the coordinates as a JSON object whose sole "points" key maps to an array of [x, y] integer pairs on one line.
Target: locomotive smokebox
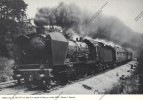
{"points": [[37, 46]]}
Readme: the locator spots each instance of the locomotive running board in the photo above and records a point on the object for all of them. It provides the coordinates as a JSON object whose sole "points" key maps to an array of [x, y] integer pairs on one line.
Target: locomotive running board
{"points": [[84, 62], [32, 70]]}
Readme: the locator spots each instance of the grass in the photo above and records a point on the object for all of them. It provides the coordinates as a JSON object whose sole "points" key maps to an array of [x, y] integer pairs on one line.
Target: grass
{"points": [[126, 85]]}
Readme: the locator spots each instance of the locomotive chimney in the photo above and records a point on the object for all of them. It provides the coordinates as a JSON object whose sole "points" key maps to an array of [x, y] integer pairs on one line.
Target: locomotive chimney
{"points": [[81, 39], [40, 30]]}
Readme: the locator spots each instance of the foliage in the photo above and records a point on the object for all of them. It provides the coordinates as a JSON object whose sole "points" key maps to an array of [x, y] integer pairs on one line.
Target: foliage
{"points": [[12, 17], [5, 69], [140, 71]]}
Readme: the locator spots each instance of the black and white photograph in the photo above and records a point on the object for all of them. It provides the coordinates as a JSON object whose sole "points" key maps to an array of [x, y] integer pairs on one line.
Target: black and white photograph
{"points": [[71, 47]]}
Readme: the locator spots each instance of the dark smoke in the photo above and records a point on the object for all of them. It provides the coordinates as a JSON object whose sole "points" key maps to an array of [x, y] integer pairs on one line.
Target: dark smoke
{"points": [[75, 21], [66, 16]]}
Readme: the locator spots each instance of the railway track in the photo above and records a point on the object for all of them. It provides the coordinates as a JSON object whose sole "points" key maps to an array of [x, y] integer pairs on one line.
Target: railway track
{"points": [[14, 83], [7, 84], [11, 83], [38, 91]]}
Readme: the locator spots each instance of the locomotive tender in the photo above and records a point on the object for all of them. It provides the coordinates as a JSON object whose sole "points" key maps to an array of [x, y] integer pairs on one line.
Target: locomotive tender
{"points": [[44, 58]]}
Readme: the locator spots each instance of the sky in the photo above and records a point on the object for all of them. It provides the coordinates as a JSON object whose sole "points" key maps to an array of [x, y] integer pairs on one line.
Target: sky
{"points": [[130, 12]]}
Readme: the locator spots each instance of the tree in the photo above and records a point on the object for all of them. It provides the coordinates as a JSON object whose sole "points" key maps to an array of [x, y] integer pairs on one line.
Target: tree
{"points": [[12, 16]]}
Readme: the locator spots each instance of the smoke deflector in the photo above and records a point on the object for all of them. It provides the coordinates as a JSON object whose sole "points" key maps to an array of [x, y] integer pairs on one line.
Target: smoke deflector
{"points": [[59, 45]]}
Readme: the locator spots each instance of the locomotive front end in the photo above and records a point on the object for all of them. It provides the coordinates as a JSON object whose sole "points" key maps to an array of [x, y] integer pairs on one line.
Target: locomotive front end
{"points": [[35, 55]]}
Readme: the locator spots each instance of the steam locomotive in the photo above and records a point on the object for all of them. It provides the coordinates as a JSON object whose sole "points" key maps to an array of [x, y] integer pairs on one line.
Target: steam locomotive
{"points": [[46, 58]]}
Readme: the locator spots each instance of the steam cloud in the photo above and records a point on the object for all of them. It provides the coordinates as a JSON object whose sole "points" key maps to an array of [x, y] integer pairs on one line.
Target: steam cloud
{"points": [[75, 21]]}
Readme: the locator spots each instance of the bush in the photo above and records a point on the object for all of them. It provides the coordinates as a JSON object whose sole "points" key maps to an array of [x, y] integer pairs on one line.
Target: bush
{"points": [[5, 69], [126, 85]]}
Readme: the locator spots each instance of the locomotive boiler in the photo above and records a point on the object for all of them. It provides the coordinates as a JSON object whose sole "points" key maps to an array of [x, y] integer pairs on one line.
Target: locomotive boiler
{"points": [[48, 58]]}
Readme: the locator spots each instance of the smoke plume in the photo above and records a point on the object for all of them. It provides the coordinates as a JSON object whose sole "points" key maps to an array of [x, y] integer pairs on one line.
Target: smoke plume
{"points": [[75, 21]]}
